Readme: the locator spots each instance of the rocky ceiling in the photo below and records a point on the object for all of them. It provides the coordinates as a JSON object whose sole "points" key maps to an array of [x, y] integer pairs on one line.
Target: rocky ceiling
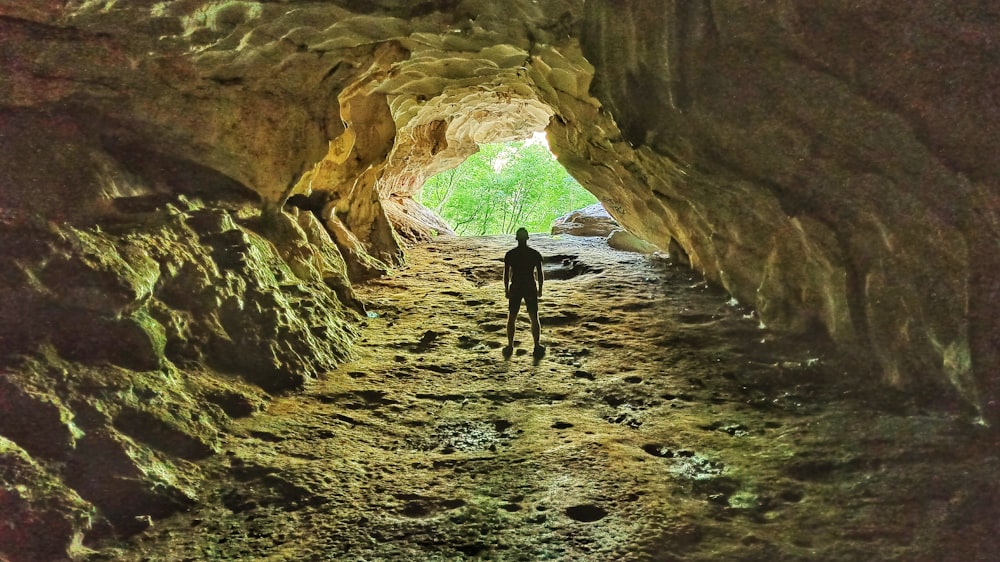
{"points": [[831, 163]]}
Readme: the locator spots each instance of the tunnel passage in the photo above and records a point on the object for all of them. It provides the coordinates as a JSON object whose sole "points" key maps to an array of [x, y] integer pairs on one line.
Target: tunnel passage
{"points": [[801, 184], [662, 421], [794, 227], [830, 166]]}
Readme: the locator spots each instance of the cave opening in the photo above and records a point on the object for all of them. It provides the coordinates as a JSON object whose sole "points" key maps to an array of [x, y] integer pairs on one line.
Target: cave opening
{"points": [[503, 186]]}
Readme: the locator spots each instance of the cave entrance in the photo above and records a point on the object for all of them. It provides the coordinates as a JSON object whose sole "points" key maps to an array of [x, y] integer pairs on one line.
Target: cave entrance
{"points": [[503, 186]]}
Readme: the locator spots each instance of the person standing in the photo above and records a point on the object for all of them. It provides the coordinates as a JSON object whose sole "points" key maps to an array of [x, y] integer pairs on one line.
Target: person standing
{"points": [[522, 269]]}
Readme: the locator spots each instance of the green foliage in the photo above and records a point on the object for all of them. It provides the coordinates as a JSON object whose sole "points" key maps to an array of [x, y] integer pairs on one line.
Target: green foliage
{"points": [[502, 187]]}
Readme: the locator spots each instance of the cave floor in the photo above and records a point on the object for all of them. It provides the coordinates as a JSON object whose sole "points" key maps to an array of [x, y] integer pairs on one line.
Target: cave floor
{"points": [[662, 424]]}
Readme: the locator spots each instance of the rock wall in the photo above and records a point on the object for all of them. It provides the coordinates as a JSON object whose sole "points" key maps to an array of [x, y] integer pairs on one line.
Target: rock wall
{"points": [[128, 346], [142, 306], [829, 163], [192, 186]]}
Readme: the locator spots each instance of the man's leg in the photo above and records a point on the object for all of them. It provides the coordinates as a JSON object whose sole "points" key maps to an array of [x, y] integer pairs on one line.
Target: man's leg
{"points": [[536, 328], [531, 303], [513, 305]]}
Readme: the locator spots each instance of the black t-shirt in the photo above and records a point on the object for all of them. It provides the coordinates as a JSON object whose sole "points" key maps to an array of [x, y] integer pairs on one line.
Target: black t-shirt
{"points": [[522, 261]]}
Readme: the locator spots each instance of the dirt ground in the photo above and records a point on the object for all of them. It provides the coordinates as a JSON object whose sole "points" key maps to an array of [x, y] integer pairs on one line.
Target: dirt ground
{"points": [[664, 423]]}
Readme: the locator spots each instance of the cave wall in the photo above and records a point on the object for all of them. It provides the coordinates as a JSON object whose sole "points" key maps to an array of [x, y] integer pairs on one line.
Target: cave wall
{"points": [[834, 166], [183, 181]]}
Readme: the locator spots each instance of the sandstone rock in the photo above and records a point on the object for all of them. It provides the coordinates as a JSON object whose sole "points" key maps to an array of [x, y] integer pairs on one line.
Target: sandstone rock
{"points": [[775, 207], [413, 221], [136, 341], [677, 253], [589, 221], [361, 265], [236, 400], [160, 430], [77, 426], [176, 282], [40, 518], [332, 266], [366, 106], [37, 421], [98, 279], [624, 240], [125, 481], [595, 221]]}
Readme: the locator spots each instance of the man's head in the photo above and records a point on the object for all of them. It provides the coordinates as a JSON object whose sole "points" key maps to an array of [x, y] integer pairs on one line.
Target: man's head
{"points": [[521, 235]]}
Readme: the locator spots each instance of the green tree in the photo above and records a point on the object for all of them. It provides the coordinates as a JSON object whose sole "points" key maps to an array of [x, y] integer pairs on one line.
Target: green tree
{"points": [[502, 187]]}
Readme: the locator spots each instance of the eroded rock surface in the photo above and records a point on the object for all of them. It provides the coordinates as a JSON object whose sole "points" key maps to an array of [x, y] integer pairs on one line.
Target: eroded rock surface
{"points": [[831, 165], [128, 348], [662, 424], [593, 220], [805, 157]]}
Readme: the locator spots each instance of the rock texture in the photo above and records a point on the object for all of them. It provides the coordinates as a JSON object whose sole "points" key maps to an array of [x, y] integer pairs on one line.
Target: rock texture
{"points": [[128, 348], [827, 163], [832, 165], [588, 221], [662, 424], [621, 239], [594, 220]]}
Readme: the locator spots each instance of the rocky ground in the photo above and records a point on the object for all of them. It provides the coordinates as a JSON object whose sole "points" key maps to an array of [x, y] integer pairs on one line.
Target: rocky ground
{"points": [[664, 423]]}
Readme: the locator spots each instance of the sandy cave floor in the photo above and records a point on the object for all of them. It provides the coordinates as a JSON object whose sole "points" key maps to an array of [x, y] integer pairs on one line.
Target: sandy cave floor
{"points": [[663, 424]]}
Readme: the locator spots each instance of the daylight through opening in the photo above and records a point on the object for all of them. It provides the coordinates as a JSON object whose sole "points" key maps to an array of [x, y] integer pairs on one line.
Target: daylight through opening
{"points": [[504, 186]]}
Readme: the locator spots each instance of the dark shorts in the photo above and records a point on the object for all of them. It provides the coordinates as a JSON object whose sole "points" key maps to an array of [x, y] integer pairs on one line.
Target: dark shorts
{"points": [[528, 294]]}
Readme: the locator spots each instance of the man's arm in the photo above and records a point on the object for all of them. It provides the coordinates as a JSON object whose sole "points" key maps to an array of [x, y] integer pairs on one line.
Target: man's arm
{"points": [[506, 279], [541, 278]]}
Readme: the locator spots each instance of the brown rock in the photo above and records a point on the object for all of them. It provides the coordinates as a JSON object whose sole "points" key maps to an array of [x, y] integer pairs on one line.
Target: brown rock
{"points": [[589, 221], [621, 239], [40, 518]]}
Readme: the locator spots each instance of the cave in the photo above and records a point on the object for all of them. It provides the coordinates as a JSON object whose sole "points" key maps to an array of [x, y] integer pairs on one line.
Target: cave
{"points": [[228, 330]]}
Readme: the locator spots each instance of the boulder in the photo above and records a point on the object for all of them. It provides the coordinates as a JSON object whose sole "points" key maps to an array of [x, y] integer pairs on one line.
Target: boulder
{"points": [[40, 517], [588, 221], [625, 241]]}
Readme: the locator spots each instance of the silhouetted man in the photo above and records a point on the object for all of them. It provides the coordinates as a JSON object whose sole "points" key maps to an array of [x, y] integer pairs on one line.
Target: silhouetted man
{"points": [[522, 266]]}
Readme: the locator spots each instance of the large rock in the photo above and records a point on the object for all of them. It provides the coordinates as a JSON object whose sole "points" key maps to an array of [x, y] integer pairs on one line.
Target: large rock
{"points": [[621, 239], [40, 518], [594, 220], [127, 348], [810, 160], [588, 221]]}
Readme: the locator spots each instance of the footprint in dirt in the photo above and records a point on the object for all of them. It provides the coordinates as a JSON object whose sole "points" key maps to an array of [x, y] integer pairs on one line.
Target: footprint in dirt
{"points": [[562, 318], [426, 340], [565, 267]]}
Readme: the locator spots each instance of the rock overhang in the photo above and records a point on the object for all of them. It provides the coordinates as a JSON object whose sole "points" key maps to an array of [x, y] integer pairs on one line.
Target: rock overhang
{"points": [[796, 177]]}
